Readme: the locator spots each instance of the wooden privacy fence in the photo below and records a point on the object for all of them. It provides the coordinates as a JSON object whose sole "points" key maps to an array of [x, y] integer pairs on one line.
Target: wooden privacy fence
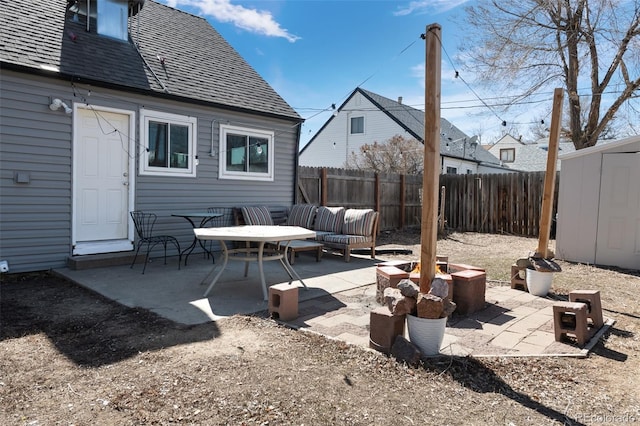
{"points": [[496, 203], [396, 197], [490, 203]]}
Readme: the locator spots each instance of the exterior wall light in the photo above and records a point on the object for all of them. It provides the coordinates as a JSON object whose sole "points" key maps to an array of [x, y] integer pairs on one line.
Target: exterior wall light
{"points": [[56, 104]]}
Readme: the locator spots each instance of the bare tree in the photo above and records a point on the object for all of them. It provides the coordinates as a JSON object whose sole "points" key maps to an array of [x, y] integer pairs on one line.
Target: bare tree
{"points": [[539, 129], [397, 155], [526, 46]]}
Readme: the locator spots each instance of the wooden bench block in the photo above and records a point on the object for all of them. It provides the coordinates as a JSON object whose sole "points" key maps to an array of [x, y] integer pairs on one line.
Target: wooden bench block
{"points": [[297, 246]]}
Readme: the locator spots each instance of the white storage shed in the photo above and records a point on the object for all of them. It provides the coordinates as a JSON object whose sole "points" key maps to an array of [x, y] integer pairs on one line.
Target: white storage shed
{"points": [[598, 218]]}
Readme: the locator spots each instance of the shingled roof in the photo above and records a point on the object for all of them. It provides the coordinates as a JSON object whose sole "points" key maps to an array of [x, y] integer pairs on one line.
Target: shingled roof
{"points": [[452, 139], [197, 64]]}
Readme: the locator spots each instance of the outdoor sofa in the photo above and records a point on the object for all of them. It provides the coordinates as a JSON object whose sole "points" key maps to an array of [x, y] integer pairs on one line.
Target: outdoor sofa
{"points": [[336, 227]]}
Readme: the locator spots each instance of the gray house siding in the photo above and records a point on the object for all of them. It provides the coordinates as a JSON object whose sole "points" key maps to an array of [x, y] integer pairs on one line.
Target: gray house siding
{"points": [[36, 217], [173, 63]]}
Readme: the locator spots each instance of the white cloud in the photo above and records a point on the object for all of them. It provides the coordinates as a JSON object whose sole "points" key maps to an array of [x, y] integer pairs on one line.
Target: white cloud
{"points": [[426, 6], [252, 20]]}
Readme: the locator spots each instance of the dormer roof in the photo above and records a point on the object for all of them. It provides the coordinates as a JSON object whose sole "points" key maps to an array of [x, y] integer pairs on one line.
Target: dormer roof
{"points": [[170, 53]]}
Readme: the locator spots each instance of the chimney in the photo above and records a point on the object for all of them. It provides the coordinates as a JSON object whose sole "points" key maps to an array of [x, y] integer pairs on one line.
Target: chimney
{"points": [[399, 99]]}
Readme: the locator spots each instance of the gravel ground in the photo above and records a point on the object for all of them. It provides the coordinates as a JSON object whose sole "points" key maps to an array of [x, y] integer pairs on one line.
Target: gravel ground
{"points": [[68, 356]]}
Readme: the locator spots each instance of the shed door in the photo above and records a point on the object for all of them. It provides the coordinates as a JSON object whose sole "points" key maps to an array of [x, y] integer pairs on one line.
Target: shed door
{"points": [[101, 182], [618, 237]]}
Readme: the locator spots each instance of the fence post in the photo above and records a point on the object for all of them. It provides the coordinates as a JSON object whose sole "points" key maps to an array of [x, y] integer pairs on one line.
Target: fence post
{"points": [[376, 192], [403, 186], [323, 186], [443, 192]]}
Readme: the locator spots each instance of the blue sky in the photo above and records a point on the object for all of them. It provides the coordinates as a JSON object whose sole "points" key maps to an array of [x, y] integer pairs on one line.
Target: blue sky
{"points": [[314, 53]]}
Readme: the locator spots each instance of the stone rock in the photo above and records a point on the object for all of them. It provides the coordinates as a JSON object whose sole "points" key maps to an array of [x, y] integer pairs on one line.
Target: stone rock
{"points": [[408, 288], [405, 351], [397, 303], [430, 306], [391, 292], [448, 307], [544, 265], [439, 287]]}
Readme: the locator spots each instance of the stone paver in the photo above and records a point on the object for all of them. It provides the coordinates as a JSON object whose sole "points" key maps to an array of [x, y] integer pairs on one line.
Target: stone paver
{"points": [[523, 311], [513, 323], [507, 339], [539, 338]]}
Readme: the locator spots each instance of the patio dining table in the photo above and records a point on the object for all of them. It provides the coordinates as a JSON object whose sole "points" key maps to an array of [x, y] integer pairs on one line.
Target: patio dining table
{"points": [[205, 217], [260, 234]]}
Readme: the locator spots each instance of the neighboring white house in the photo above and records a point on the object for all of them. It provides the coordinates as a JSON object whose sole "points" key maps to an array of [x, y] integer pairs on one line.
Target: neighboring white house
{"points": [[366, 117], [599, 205], [505, 148], [526, 157]]}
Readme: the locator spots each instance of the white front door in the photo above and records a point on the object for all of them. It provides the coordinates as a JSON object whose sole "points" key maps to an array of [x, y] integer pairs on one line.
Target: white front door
{"points": [[618, 237], [102, 181]]}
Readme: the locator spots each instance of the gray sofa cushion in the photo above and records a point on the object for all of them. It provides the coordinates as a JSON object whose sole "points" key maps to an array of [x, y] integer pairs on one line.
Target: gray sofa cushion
{"points": [[329, 219]]}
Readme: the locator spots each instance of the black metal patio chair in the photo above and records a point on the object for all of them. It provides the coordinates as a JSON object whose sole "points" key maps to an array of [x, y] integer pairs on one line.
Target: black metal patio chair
{"points": [[225, 220], [144, 223]]}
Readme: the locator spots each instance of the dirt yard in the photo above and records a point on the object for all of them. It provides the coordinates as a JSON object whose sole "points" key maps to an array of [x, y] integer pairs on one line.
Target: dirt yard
{"points": [[68, 356]]}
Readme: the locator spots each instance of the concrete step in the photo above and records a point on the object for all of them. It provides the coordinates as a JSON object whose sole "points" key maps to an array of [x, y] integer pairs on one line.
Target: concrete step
{"points": [[89, 261]]}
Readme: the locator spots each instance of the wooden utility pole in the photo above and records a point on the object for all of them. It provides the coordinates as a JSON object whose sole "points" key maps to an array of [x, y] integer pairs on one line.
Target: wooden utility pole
{"points": [[430, 177], [550, 176]]}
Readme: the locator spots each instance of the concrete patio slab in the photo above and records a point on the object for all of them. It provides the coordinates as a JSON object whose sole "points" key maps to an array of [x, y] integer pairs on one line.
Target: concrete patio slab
{"points": [[178, 294], [337, 304]]}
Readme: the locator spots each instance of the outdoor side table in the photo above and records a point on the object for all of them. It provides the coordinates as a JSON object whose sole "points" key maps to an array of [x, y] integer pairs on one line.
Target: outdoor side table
{"points": [[205, 217]]}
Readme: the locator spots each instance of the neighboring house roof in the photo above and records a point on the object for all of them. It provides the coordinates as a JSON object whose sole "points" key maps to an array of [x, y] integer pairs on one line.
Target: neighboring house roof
{"points": [[179, 56], [533, 157], [452, 139], [507, 140]]}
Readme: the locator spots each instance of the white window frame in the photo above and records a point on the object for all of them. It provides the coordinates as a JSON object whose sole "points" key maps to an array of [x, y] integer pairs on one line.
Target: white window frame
{"points": [[509, 153], [146, 116], [113, 19], [223, 173], [351, 125]]}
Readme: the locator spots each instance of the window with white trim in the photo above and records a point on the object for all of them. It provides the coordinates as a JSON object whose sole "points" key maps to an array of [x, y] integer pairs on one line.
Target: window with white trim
{"points": [[246, 153], [357, 125], [508, 155], [169, 142], [112, 19]]}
